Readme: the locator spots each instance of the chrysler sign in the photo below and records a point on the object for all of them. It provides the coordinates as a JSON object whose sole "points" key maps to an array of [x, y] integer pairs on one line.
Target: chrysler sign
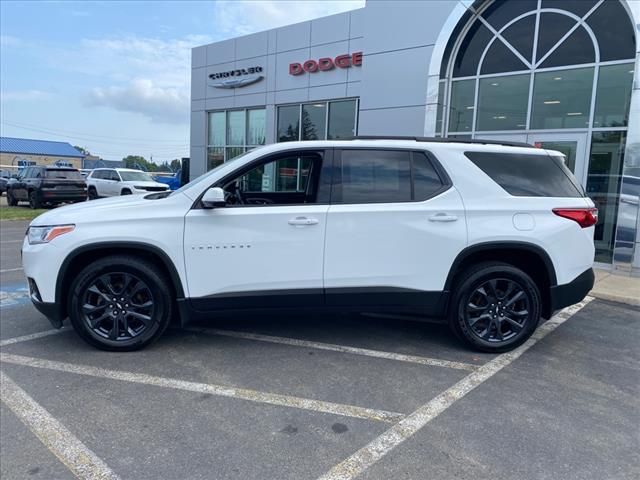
{"points": [[240, 77], [326, 63]]}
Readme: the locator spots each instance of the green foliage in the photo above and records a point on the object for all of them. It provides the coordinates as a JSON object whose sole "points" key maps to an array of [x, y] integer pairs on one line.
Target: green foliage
{"points": [[136, 161]]}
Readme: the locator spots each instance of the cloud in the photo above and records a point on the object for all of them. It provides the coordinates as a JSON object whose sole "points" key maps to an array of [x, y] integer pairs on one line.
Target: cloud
{"points": [[240, 18], [23, 95], [160, 104], [9, 41]]}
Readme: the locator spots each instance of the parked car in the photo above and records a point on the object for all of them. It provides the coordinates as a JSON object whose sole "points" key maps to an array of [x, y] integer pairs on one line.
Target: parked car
{"points": [[85, 171], [43, 185], [171, 179], [4, 179], [489, 237], [109, 182]]}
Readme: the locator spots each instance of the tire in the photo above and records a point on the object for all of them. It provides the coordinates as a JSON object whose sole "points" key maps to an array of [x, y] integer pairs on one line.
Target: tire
{"points": [[34, 200], [499, 320], [11, 200], [125, 192], [92, 193], [91, 301]]}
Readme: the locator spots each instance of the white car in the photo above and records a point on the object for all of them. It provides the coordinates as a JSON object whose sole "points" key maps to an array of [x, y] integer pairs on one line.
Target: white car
{"points": [[111, 182], [489, 237]]}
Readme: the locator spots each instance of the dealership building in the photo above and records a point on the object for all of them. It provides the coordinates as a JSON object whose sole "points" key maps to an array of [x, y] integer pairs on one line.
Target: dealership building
{"points": [[558, 74]]}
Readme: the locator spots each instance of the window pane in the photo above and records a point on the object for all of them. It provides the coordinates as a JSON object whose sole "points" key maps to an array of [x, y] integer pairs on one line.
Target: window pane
{"points": [[500, 59], [256, 127], [527, 175], [342, 119], [579, 7], [216, 128], [553, 26], [233, 152], [474, 43], [501, 12], [613, 96], [283, 175], [440, 111], [613, 29], [461, 109], [236, 127], [370, 176], [562, 99], [576, 49], [603, 186], [426, 181], [313, 121], [520, 36], [566, 148], [215, 157], [502, 103], [288, 123]]}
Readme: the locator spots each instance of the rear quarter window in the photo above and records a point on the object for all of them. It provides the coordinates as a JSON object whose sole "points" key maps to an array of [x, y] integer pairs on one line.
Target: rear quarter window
{"points": [[527, 175]]}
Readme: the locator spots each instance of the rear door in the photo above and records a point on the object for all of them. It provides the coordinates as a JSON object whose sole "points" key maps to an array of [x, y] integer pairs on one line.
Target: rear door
{"points": [[394, 228]]}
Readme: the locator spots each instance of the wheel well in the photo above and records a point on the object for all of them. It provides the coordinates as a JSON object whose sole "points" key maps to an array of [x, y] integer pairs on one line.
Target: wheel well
{"points": [[533, 263], [76, 262]]}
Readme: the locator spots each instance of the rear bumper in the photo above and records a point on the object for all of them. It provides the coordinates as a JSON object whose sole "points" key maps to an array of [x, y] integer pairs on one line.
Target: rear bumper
{"points": [[572, 292], [53, 196]]}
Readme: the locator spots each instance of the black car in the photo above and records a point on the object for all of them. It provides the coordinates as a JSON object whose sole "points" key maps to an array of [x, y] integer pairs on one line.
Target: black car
{"points": [[41, 185], [4, 179]]}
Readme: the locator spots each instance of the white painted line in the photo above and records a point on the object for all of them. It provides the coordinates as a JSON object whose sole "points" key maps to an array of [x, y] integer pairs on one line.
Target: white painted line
{"points": [[10, 241], [6, 270], [219, 390], [435, 362], [61, 442], [32, 336], [353, 466]]}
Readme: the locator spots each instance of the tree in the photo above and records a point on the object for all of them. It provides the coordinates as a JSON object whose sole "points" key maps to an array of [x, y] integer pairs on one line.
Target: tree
{"points": [[83, 150], [138, 162], [175, 165]]}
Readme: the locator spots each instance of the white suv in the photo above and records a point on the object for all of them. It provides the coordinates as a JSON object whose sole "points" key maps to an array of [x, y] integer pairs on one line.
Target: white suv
{"points": [[490, 237], [110, 182]]}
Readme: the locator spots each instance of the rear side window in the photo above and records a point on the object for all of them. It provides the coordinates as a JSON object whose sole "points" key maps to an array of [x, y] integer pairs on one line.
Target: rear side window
{"points": [[64, 174], [426, 181], [526, 175]]}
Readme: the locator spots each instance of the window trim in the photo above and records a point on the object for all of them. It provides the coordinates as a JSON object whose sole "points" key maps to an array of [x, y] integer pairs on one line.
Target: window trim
{"points": [[435, 163], [327, 104]]}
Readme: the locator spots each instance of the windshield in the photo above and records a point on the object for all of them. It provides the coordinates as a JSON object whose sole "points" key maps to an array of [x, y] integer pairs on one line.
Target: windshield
{"points": [[63, 174], [135, 176], [204, 176]]}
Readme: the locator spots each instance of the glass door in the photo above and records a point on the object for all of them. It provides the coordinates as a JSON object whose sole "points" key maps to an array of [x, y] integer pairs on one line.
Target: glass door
{"points": [[572, 145]]}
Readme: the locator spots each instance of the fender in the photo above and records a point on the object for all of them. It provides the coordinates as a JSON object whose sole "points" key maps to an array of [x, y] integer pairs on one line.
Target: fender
{"points": [[506, 245]]}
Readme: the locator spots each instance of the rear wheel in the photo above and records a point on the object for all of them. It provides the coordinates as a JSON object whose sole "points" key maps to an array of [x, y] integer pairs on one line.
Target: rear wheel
{"points": [[34, 200], [92, 193], [120, 303], [496, 307], [125, 192], [11, 200]]}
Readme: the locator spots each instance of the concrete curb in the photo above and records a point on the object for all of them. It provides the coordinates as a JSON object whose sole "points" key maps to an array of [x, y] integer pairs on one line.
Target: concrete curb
{"points": [[616, 288]]}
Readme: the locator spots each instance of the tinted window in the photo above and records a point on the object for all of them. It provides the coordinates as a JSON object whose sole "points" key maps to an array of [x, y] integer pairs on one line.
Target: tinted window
{"points": [[500, 59], [288, 123], [113, 175], [36, 173], [576, 49], [527, 175], [290, 174], [374, 176], [473, 45], [614, 31], [426, 181], [134, 176], [64, 174]]}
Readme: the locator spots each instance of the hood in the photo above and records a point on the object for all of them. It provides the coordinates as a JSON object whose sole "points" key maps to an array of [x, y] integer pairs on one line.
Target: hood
{"points": [[145, 184], [106, 209]]}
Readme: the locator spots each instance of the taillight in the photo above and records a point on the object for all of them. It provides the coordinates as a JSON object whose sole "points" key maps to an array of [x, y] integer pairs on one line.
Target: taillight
{"points": [[585, 217]]}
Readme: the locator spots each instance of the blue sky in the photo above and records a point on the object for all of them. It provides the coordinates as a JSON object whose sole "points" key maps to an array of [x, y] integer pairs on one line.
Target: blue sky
{"points": [[113, 76]]}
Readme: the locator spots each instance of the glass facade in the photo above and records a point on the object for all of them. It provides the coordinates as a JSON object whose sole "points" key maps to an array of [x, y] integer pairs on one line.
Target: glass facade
{"points": [[230, 133], [318, 120], [557, 73]]}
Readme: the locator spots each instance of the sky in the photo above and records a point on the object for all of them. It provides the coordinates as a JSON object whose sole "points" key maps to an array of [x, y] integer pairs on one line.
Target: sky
{"points": [[113, 76]]}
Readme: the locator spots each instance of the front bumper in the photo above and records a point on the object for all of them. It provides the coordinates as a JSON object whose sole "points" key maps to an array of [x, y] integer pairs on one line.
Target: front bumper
{"points": [[572, 292]]}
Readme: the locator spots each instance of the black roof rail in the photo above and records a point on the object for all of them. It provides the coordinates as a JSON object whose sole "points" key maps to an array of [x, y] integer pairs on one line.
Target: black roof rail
{"points": [[477, 141]]}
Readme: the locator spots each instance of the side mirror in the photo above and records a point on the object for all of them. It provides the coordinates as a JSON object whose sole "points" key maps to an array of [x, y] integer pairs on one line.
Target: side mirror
{"points": [[213, 198]]}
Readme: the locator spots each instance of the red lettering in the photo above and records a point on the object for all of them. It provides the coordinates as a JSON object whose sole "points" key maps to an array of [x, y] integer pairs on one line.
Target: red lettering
{"points": [[343, 61], [325, 64], [295, 69], [310, 66], [356, 59]]}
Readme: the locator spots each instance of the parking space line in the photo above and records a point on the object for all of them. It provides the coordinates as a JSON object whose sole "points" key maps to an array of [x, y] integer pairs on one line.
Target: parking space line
{"points": [[339, 348], [218, 390], [354, 465], [6, 270], [77, 457], [31, 336]]}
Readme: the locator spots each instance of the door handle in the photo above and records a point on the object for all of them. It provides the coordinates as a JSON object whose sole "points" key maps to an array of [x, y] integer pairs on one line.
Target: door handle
{"points": [[302, 221], [443, 217]]}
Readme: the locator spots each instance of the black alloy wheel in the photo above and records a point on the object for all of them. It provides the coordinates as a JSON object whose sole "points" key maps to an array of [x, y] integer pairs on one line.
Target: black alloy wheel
{"points": [[11, 200], [92, 194], [120, 303], [34, 200], [496, 307]]}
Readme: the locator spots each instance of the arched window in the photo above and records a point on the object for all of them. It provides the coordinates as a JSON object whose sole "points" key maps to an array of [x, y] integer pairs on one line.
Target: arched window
{"points": [[538, 65]]}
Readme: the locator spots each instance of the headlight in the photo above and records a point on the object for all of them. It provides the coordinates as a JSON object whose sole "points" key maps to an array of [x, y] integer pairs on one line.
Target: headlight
{"points": [[46, 234]]}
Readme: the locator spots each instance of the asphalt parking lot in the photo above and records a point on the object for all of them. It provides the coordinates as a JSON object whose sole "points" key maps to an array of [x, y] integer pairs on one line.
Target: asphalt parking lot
{"points": [[336, 397]]}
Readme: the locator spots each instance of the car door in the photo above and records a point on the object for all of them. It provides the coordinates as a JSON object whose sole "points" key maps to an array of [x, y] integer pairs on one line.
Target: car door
{"points": [[114, 183], [265, 248], [394, 228], [18, 187], [96, 180]]}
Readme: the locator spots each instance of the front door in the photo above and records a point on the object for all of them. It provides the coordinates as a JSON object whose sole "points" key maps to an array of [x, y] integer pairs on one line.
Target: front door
{"points": [[266, 247]]}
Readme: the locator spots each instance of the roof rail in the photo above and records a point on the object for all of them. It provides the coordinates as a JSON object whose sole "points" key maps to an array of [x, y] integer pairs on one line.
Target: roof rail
{"points": [[478, 141]]}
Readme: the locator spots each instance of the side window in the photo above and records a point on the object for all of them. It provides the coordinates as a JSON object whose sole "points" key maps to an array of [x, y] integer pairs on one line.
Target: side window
{"points": [[36, 173], [426, 181], [114, 175], [373, 176], [96, 174]]}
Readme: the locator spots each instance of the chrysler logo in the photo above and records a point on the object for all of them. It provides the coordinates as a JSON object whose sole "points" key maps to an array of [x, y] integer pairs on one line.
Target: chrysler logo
{"points": [[240, 77]]}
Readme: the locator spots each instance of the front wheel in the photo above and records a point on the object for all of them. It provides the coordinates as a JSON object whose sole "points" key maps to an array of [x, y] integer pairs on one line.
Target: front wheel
{"points": [[120, 303], [34, 200], [92, 193], [11, 200], [496, 307]]}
